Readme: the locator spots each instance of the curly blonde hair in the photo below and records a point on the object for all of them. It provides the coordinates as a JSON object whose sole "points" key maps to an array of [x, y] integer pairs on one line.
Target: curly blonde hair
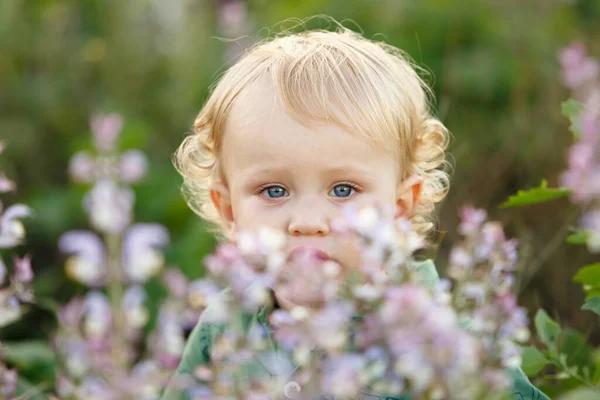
{"points": [[369, 88]]}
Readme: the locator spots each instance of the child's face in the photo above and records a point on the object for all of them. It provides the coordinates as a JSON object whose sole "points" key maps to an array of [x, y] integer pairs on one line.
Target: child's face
{"points": [[283, 175]]}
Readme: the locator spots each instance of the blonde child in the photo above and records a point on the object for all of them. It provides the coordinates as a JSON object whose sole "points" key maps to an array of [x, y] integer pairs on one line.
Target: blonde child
{"points": [[301, 125]]}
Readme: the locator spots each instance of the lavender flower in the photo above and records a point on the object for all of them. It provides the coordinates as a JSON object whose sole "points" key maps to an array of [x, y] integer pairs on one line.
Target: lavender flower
{"points": [[12, 231], [141, 259], [106, 129], [88, 262], [372, 328], [109, 206], [581, 74]]}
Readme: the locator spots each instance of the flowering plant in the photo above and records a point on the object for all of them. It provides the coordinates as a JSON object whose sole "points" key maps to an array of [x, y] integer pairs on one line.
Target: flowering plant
{"points": [[16, 291], [380, 327]]}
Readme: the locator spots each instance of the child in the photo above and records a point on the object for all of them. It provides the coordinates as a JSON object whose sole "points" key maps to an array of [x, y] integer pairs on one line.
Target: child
{"points": [[302, 125]]}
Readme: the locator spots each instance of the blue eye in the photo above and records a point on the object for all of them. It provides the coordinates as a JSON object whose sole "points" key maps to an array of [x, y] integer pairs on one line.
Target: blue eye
{"points": [[275, 192], [342, 191]]}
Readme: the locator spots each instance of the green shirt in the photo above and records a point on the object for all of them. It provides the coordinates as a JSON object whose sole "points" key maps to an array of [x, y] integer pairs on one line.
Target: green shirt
{"points": [[197, 351]]}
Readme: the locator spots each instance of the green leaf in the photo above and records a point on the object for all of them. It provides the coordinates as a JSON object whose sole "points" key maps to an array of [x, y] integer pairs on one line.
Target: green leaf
{"points": [[26, 355], [572, 109], [588, 275], [592, 304], [536, 195], [578, 352], [547, 329], [592, 292], [579, 237], [533, 361]]}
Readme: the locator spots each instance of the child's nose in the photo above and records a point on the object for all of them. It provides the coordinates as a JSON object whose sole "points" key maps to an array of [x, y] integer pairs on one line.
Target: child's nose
{"points": [[308, 222]]}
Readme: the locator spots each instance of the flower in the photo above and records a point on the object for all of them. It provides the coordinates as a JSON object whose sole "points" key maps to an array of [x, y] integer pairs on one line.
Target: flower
{"points": [[109, 206], [12, 231], [98, 317], [23, 271], [136, 314], [82, 167], [132, 166], [141, 259], [88, 262], [106, 128]]}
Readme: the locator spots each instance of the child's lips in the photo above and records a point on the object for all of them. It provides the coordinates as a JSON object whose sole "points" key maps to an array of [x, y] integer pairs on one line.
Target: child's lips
{"points": [[308, 251]]}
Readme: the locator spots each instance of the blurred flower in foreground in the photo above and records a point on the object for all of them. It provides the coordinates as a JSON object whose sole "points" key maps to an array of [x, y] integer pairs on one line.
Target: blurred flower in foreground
{"points": [[379, 327], [581, 74]]}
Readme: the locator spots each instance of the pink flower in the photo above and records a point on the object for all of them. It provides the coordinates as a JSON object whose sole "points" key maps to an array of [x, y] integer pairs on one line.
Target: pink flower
{"points": [[176, 282], [23, 271], [133, 166], [106, 129], [82, 167], [6, 185], [471, 220], [578, 69], [70, 315], [8, 379]]}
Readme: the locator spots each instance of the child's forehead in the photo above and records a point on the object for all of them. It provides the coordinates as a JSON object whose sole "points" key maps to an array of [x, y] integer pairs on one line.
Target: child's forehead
{"points": [[261, 109], [261, 136]]}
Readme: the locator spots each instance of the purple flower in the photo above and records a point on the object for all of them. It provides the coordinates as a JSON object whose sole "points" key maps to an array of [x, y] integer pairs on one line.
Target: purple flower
{"points": [[106, 129], [471, 220], [6, 185], [141, 259], [109, 206], [341, 375], [82, 167], [578, 69], [176, 282], [136, 314], [8, 380], [98, 317], [23, 271], [169, 339], [94, 388], [70, 314], [12, 231], [133, 166], [88, 263]]}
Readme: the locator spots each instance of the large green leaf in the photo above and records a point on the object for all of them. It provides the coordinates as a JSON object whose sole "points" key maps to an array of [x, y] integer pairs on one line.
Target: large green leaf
{"points": [[588, 275], [34, 360], [28, 354], [547, 329], [536, 195], [533, 361], [592, 304], [572, 109]]}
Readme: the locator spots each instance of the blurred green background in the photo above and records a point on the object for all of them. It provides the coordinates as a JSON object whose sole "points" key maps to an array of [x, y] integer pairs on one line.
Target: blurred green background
{"points": [[494, 67]]}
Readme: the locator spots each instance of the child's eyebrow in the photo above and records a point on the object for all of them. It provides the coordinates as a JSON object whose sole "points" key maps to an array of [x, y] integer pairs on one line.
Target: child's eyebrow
{"points": [[342, 170]]}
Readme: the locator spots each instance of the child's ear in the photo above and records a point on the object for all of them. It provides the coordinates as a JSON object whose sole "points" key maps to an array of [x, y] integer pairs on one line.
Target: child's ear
{"points": [[407, 195], [221, 199]]}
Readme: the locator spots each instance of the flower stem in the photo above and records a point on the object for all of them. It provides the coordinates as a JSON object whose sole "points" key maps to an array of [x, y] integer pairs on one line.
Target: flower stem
{"points": [[115, 294]]}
